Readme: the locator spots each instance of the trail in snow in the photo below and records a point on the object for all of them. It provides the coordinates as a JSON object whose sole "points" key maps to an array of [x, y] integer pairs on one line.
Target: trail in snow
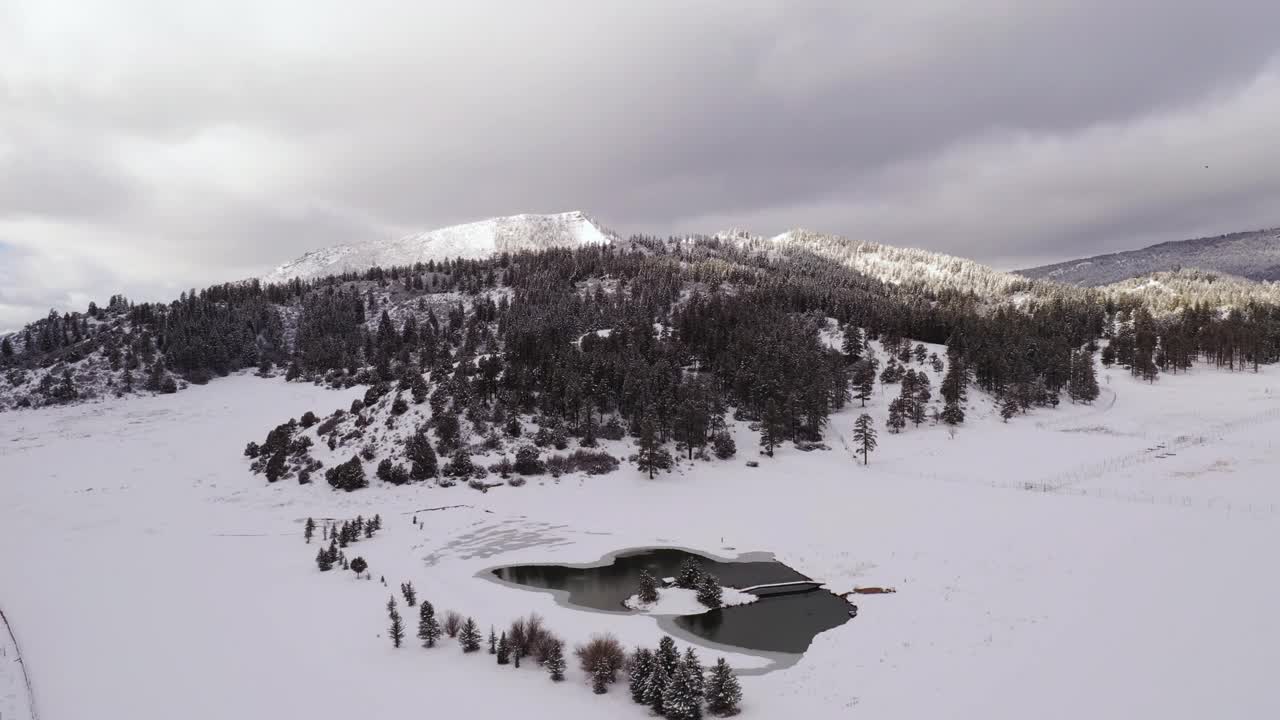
{"points": [[17, 698]]}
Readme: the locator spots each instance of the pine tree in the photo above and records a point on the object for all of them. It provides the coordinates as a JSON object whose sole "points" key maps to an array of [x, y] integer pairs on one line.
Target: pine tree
{"points": [[1083, 385], [689, 574], [1008, 406], [892, 372], [648, 588], [323, 561], [639, 668], [428, 627], [696, 673], [952, 414], [493, 641], [919, 400], [772, 427], [667, 655], [864, 380], [469, 638], [276, 465], [723, 692], [655, 688], [648, 459], [410, 595], [897, 416], [679, 702], [723, 445], [953, 386], [1108, 355], [709, 591], [554, 662], [309, 530], [864, 436], [422, 458], [397, 627], [600, 677], [852, 344], [504, 650]]}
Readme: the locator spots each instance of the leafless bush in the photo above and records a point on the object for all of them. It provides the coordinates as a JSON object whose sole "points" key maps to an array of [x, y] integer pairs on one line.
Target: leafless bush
{"points": [[530, 637], [452, 623], [601, 648]]}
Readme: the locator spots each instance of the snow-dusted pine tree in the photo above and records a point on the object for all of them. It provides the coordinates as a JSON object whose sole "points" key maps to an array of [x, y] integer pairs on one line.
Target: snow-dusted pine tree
{"points": [[504, 650], [469, 638], [397, 626], [655, 688], [600, 677], [555, 662], [679, 700], [648, 587], [667, 656], [696, 673], [709, 591], [689, 574], [639, 667], [723, 692], [428, 627], [864, 436]]}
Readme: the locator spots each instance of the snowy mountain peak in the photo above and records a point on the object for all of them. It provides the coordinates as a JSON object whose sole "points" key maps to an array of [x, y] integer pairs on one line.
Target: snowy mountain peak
{"points": [[467, 241]]}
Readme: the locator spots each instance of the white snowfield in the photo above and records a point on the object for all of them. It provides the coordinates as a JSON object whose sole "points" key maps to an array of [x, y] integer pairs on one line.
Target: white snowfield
{"points": [[150, 577], [469, 241]]}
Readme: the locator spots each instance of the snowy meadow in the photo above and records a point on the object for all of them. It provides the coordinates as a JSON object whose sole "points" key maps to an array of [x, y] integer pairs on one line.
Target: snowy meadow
{"points": [[1093, 560]]}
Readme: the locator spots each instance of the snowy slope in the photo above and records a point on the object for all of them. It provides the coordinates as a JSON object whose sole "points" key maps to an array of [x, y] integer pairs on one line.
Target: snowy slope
{"points": [[468, 241], [137, 540], [893, 265]]}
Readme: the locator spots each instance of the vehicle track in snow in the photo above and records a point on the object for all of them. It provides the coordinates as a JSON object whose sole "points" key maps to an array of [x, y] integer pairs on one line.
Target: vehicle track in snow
{"points": [[17, 698]]}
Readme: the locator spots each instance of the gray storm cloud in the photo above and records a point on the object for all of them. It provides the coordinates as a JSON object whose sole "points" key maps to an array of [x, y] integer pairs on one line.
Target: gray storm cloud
{"points": [[149, 146]]}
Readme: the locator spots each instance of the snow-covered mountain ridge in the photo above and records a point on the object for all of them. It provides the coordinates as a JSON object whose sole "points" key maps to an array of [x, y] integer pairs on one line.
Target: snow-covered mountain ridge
{"points": [[891, 264], [1252, 255], [467, 241]]}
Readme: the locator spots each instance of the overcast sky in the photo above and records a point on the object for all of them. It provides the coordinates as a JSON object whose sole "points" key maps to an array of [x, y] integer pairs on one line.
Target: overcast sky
{"points": [[152, 145]]}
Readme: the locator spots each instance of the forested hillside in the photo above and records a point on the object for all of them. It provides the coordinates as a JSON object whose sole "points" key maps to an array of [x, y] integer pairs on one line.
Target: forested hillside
{"points": [[659, 341]]}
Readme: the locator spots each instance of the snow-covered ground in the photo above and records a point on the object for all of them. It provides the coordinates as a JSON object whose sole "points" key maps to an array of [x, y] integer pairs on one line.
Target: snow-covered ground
{"points": [[148, 575]]}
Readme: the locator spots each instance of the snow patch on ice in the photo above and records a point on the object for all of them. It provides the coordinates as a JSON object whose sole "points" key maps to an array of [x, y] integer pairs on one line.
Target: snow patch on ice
{"points": [[679, 601]]}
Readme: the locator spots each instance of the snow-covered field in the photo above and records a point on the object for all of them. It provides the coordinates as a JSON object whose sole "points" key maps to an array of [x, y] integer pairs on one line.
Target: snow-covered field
{"points": [[148, 575]]}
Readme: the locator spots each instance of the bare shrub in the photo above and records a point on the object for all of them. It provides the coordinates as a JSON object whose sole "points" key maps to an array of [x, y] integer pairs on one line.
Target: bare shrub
{"points": [[452, 623], [601, 649], [530, 637]]}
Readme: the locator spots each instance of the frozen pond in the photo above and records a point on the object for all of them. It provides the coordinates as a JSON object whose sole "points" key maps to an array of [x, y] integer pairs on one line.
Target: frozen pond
{"points": [[784, 623]]}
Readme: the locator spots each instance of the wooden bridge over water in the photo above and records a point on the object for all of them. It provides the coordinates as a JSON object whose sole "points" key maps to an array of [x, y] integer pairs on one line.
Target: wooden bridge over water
{"points": [[783, 588]]}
